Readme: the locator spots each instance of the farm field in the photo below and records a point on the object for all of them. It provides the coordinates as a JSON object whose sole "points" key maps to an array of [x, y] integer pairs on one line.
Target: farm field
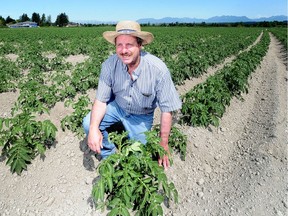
{"points": [[236, 165]]}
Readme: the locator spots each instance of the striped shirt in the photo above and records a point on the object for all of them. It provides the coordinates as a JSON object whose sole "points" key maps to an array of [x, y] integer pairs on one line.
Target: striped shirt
{"points": [[151, 85]]}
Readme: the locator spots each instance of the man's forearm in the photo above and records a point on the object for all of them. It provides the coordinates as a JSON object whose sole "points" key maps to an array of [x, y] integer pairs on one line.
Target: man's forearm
{"points": [[165, 127]]}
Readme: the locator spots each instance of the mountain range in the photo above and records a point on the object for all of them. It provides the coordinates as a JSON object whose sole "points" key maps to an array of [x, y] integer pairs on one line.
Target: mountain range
{"points": [[215, 19]]}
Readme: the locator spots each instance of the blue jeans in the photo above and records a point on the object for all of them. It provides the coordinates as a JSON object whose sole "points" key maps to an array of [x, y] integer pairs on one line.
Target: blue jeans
{"points": [[136, 125]]}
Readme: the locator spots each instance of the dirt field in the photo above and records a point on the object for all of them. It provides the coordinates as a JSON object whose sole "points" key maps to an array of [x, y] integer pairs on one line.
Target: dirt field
{"points": [[239, 168]]}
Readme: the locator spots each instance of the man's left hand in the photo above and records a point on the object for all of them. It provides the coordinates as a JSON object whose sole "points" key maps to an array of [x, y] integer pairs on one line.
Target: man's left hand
{"points": [[164, 161]]}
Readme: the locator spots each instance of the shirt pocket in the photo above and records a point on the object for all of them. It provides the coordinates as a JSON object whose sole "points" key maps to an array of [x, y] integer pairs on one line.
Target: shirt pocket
{"points": [[145, 98]]}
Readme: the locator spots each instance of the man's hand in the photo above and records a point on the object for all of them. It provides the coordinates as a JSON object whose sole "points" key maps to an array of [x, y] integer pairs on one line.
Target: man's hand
{"points": [[95, 139], [164, 161]]}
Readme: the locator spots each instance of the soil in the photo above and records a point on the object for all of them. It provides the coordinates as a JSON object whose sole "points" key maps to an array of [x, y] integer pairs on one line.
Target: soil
{"points": [[238, 168]]}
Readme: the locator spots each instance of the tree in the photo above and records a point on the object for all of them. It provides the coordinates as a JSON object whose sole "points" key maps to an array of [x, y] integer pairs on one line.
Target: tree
{"points": [[48, 21], [2, 21], [36, 18], [43, 20], [9, 20], [24, 18], [62, 20]]}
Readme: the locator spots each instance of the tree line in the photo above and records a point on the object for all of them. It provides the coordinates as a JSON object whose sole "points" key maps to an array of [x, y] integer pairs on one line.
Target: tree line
{"points": [[61, 20]]}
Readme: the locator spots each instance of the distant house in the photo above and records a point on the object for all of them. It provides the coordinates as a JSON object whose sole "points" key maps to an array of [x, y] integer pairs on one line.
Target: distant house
{"points": [[72, 24], [27, 24]]}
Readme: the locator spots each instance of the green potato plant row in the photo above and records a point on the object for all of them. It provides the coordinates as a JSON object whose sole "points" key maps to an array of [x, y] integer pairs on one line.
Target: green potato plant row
{"points": [[281, 34], [206, 103], [189, 52]]}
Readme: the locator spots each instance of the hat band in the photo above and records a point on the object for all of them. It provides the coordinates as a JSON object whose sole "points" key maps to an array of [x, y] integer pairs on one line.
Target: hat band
{"points": [[126, 31]]}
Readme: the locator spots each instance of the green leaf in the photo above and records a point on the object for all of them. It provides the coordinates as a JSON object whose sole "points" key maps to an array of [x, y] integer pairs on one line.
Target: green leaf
{"points": [[136, 147], [158, 198], [7, 122], [114, 202], [101, 189], [124, 212], [24, 156], [40, 148], [114, 212], [126, 197], [110, 183], [1, 124]]}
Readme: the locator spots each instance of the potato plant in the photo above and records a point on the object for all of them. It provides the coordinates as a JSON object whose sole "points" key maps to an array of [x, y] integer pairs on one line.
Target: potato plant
{"points": [[9, 73], [22, 138], [131, 179], [177, 140], [73, 122]]}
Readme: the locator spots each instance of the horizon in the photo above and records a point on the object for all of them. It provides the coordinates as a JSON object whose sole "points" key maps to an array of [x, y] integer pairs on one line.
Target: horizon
{"points": [[215, 19], [196, 18], [110, 11]]}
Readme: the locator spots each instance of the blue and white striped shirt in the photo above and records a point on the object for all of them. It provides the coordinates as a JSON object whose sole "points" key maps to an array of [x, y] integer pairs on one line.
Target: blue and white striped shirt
{"points": [[151, 85]]}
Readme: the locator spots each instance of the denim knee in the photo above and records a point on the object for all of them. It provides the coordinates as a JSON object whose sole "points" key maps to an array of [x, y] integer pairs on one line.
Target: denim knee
{"points": [[86, 123]]}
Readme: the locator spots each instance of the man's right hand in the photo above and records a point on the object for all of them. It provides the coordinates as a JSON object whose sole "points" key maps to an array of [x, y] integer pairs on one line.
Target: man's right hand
{"points": [[95, 138]]}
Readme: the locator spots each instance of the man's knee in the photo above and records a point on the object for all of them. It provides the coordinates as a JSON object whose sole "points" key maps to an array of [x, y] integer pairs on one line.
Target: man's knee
{"points": [[86, 123]]}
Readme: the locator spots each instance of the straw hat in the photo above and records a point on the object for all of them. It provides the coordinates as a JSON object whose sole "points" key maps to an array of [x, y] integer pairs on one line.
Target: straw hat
{"points": [[128, 28]]}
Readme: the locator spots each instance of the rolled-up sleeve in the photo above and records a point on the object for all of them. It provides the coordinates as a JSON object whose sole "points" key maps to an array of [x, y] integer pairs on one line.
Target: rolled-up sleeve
{"points": [[167, 95], [104, 90]]}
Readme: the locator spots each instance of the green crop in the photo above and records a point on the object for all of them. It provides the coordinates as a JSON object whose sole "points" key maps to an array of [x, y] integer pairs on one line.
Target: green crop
{"points": [[130, 180], [9, 73], [22, 138], [73, 122], [177, 140], [282, 35], [206, 103]]}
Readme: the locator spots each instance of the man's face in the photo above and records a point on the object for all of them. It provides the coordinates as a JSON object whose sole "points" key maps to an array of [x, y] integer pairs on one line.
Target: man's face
{"points": [[128, 50]]}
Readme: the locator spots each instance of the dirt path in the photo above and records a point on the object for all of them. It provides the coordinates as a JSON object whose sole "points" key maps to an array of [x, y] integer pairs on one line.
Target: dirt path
{"points": [[239, 168]]}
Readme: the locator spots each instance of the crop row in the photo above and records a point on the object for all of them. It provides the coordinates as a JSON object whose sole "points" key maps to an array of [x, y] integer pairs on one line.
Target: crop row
{"points": [[205, 104], [281, 34], [188, 52]]}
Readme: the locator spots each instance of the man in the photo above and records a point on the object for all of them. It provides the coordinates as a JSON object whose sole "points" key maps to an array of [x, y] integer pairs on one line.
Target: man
{"points": [[131, 84]]}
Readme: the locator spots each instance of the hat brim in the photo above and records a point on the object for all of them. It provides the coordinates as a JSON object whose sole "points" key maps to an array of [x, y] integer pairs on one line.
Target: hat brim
{"points": [[147, 37]]}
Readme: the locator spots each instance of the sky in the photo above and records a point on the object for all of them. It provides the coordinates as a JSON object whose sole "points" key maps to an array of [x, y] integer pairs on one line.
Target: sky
{"points": [[115, 10]]}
